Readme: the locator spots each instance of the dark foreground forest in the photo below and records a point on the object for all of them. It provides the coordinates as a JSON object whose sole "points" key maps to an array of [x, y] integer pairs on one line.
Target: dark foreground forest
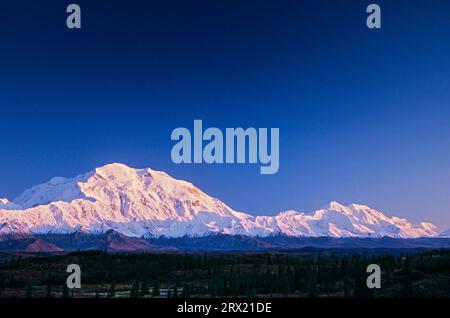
{"points": [[297, 274]]}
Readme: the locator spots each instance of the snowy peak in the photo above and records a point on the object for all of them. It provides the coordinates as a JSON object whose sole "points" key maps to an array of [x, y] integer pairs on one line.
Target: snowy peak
{"points": [[134, 202], [57, 189], [361, 220], [5, 204], [335, 206], [149, 203]]}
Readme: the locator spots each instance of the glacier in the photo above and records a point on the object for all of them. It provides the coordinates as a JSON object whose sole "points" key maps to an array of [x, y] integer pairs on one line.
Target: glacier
{"points": [[148, 203]]}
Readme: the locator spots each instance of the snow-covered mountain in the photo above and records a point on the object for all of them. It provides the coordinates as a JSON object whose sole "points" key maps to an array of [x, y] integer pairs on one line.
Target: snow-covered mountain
{"points": [[148, 203], [5, 204]]}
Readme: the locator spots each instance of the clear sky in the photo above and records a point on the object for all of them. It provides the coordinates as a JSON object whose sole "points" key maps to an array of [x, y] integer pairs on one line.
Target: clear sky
{"points": [[364, 115]]}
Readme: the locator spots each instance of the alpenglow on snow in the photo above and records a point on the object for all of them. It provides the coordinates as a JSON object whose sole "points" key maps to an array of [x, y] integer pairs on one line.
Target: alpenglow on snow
{"points": [[149, 203]]}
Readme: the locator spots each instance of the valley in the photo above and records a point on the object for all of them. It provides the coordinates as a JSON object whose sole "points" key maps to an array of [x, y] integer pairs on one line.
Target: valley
{"points": [[301, 274]]}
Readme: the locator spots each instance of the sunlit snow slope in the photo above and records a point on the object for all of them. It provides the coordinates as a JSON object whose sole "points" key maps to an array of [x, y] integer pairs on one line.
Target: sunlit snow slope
{"points": [[144, 202]]}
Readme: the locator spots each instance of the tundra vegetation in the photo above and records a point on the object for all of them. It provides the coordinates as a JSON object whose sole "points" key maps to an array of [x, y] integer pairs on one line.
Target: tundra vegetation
{"points": [[298, 274]]}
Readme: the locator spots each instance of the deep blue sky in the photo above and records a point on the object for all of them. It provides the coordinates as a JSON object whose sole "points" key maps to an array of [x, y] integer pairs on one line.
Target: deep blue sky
{"points": [[364, 115]]}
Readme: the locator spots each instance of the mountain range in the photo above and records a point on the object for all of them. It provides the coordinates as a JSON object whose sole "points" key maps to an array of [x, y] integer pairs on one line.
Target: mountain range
{"points": [[117, 202]]}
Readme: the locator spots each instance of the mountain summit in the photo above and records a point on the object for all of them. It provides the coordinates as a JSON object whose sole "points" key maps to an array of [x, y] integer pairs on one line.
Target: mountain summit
{"points": [[149, 203]]}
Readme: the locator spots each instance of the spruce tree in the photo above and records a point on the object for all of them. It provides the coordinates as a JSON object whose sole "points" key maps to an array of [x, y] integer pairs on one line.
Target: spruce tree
{"points": [[407, 288], [29, 290], [155, 291], [49, 291], [186, 291], [144, 288], [135, 290], [112, 291], [65, 293]]}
